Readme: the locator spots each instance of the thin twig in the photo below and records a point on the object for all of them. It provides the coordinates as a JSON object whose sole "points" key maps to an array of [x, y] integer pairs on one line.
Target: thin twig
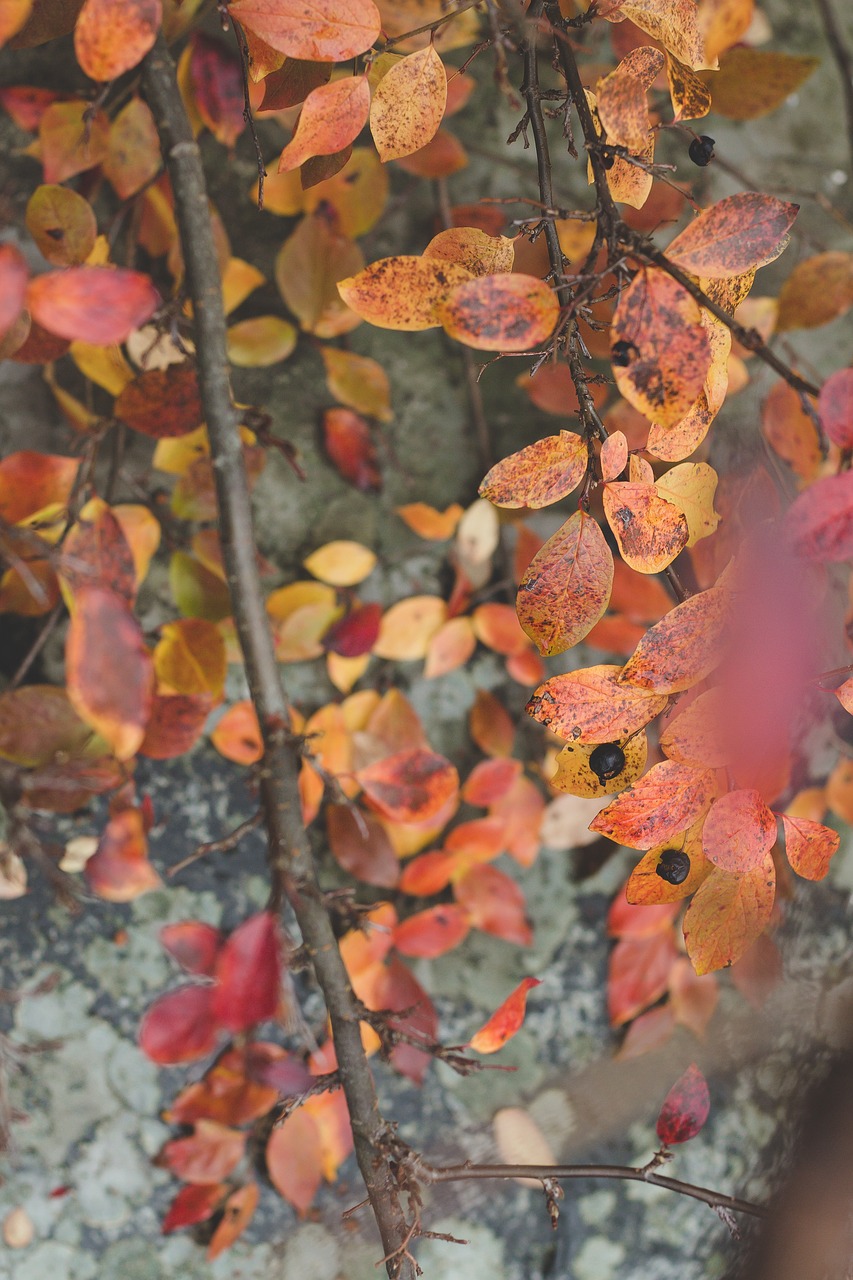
{"points": [[469, 1172], [291, 864], [843, 60], [430, 26], [243, 51], [223, 845]]}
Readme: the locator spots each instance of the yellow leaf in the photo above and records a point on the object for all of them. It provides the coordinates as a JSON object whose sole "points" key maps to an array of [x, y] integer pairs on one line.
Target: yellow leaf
{"points": [[341, 563], [691, 487], [408, 627], [403, 292], [260, 341], [408, 104]]}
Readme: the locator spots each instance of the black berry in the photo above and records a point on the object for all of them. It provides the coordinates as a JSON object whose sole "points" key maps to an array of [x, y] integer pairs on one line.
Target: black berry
{"points": [[621, 352], [608, 161], [701, 150], [673, 866], [607, 761]]}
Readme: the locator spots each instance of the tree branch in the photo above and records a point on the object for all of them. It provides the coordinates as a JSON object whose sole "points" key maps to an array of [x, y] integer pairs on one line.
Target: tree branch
{"points": [[291, 865]]}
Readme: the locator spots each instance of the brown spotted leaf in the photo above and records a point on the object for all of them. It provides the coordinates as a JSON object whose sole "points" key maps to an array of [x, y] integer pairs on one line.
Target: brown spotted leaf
{"points": [[739, 831], [402, 292], [590, 706], [541, 473], [660, 347], [649, 531], [665, 802], [683, 648], [737, 234], [809, 846], [503, 312], [727, 914], [408, 104], [323, 31], [566, 587]]}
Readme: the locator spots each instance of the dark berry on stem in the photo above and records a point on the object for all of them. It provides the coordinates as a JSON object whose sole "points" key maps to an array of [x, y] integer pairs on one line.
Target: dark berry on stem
{"points": [[607, 761], [621, 352], [701, 150], [673, 866]]}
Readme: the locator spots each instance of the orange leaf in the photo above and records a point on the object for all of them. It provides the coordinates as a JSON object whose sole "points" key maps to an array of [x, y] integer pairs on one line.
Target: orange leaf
{"points": [[809, 846], [349, 443], [502, 312], [638, 974], [450, 647], [410, 786], [332, 117], [433, 932], [175, 724], [696, 735], [408, 104], [238, 1212], [294, 1159], [133, 150], [402, 292], [693, 998], [488, 781], [30, 481], [541, 473], [490, 725], [95, 304], [206, 1156], [671, 871], [737, 234], [324, 31], [650, 532], [478, 252], [683, 648], [443, 155], [429, 523], [13, 285], [408, 627], [111, 38], [818, 290], [566, 587], [791, 431], [505, 1021], [71, 140], [739, 832], [621, 98], [727, 914], [119, 869], [237, 735], [660, 348], [495, 904], [308, 267], [591, 706], [162, 402], [753, 82], [359, 382], [662, 804], [110, 676], [614, 456]]}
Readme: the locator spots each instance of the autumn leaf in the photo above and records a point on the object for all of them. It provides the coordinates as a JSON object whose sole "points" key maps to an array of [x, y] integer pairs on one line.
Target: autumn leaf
{"points": [[566, 587], [95, 304], [673, 22], [685, 1108], [62, 224], [332, 117], [737, 234], [179, 1026], [358, 382], [753, 82], [637, 974], [659, 347], [670, 871], [110, 676], [539, 474], [13, 285], [809, 846], [501, 312], [111, 38], [409, 786], [206, 1156], [473, 249], [193, 944], [661, 805], [325, 31], [119, 869], [820, 520], [402, 292], [495, 904], [650, 531], [238, 1211], [248, 974], [835, 406], [427, 522], [591, 706], [408, 104], [348, 442], [739, 831], [691, 487], [818, 290], [621, 98], [683, 648], [342, 563], [505, 1021], [294, 1159], [691, 97], [576, 775], [193, 1204], [727, 914], [696, 735], [433, 932]]}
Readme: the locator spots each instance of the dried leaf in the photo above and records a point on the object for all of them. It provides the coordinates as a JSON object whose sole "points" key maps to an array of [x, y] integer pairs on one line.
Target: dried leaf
{"points": [[566, 587], [685, 1108], [753, 82], [737, 234], [473, 249], [505, 1021], [683, 648], [408, 104], [541, 473], [410, 786], [402, 292], [62, 224]]}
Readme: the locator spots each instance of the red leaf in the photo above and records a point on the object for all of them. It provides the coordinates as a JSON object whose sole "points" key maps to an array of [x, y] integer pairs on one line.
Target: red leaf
{"points": [[193, 1204], [410, 786], [685, 1108], [739, 831], [102, 305], [217, 88], [193, 944], [180, 1026], [119, 870], [433, 932], [505, 1021], [349, 444], [294, 1160], [355, 634], [248, 974], [489, 780], [835, 406], [162, 402], [397, 989], [206, 1156], [820, 520], [638, 974]]}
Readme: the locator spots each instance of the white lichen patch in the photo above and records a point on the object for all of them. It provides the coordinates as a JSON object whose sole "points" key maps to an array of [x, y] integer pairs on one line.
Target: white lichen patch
{"points": [[598, 1259]]}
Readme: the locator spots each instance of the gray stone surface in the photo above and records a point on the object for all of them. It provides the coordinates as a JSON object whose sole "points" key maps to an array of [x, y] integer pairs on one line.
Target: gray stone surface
{"points": [[80, 1160]]}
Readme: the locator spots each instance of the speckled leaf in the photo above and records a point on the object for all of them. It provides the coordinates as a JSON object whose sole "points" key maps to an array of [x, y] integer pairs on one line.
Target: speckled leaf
{"points": [[739, 831], [621, 97], [673, 22], [735, 235], [566, 587], [809, 846], [541, 473], [650, 532], [410, 786], [473, 249], [502, 312], [575, 776], [691, 487], [112, 36], [402, 292], [162, 402], [691, 97], [727, 914], [408, 104], [685, 1108], [323, 31], [682, 648], [667, 348], [591, 706], [662, 804]]}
